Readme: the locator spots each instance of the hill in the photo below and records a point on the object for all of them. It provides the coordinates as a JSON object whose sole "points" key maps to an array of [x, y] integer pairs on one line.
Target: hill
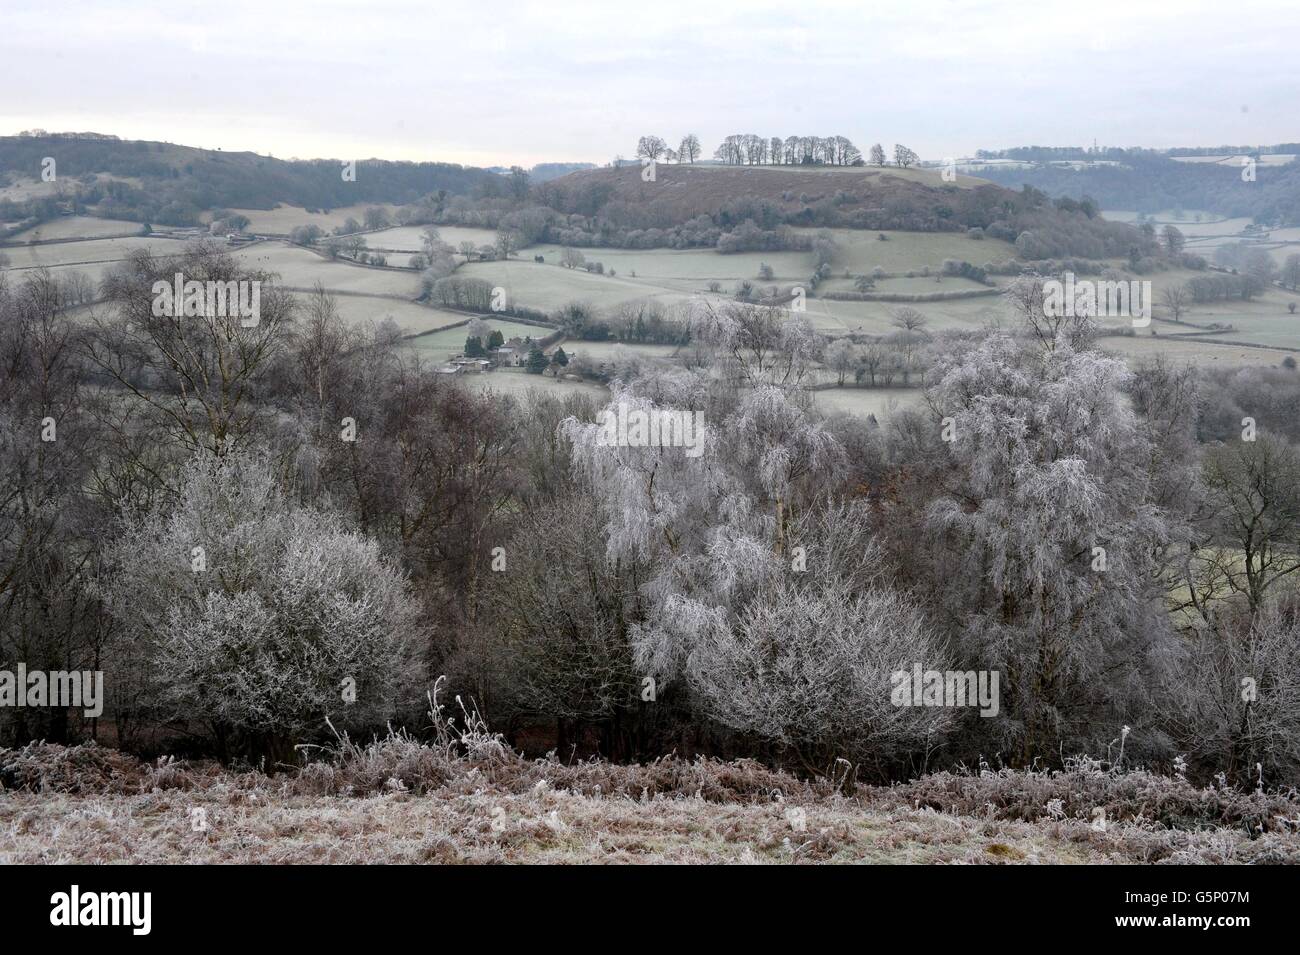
{"points": [[1142, 181], [171, 184], [856, 197], [618, 200]]}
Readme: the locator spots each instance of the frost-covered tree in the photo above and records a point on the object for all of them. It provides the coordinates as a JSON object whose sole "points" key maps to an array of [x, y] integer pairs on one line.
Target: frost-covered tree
{"points": [[809, 667], [841, 356], [1044, 531], [652, 497], [1048, 326], [781, 447], [755, 344], [555, 644], [1236, 697], [799, 653], [257, 617], [684, 517]]}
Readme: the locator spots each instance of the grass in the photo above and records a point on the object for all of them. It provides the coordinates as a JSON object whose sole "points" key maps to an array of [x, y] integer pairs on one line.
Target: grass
{"points": [[468, 798], [550, 286], [300, 268], [690, 270], [90, 251], [1193, 351], [452, 342], [78, 227], [865, 401], [604, 351], [517, 382], [409, 238], [410, 317], [861, 251], [284, 218], [873, 318]]}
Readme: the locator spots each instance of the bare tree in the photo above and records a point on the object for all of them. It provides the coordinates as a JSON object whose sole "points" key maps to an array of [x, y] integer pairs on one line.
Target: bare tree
{"points": [[1291, 271], [841, 357], [1173, 239], [1254, 494], [689, 150], [507, 243], [650, 147], [205, 370], [1028, 301], [1177, 299]]}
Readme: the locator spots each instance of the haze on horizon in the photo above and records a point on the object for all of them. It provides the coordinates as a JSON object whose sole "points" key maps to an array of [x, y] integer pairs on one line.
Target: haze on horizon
{"points": [[577, 81]]}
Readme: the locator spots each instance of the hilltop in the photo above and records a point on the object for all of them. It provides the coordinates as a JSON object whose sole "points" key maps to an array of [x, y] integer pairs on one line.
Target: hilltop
{"points": [[856, 196], [873, 199]]}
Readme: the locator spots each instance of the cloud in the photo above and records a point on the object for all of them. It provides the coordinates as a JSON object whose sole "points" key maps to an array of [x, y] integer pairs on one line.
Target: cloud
{"points": [[525, 82]]}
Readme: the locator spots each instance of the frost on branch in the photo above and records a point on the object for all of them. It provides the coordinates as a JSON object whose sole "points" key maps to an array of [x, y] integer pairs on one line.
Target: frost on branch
{"points": [[1047, 463], [290, 603]]}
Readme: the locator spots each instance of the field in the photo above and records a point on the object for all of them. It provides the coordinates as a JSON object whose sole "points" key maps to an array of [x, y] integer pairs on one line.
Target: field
{"points": [[299, 268], [1263, 331], [410, 238], [866, 401], [450, 343], [517, 382], [604, 351], [281, 220], [549, 287], [410, 317], [1193, 351], [83, 253], [78, 227], [690, 270], [1266, 159], [91, 258], [397, 801], [1205, 236], [861, 251]]}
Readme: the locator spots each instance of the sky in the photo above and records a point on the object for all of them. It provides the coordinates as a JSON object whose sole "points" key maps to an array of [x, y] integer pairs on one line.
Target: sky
{"points": [[506, 83]]}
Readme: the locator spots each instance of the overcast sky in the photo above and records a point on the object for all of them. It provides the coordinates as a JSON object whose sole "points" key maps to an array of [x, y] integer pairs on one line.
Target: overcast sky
{"points": [[497, 83]]}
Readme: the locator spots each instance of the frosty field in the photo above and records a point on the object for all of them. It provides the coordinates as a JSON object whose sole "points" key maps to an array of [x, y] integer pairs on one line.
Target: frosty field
{"points": [[397, 801]]}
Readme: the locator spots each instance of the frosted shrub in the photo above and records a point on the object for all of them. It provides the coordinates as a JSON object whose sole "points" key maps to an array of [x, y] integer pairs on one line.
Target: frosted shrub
{"points": [[803, 658], [284, 616], [809, 667], [1237, 698]]}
